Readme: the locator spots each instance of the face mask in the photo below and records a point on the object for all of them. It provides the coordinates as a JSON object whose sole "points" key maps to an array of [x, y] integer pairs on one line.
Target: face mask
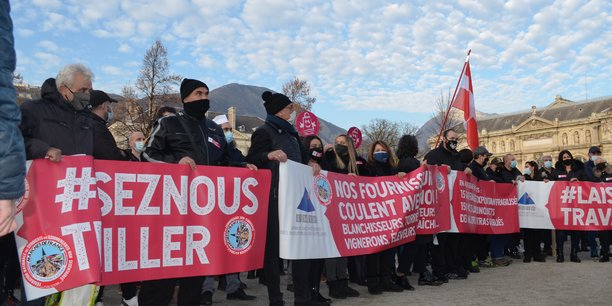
{"points": [[513, 164], [452, 144], [594, 158], [527, 171], [548, 164], [229, 136], [197, 108], [567, 162], [600, 166], [341, 150], [79, 100], [316, 153], [139, 146], [381, 156], [111, 115]]}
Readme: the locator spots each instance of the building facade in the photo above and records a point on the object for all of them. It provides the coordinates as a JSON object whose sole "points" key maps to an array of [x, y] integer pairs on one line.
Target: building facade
{"points": [[562, 125]]}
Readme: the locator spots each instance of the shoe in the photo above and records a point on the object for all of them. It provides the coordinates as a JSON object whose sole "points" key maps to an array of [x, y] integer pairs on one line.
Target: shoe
{"points": [[451, 275], [560, 257], [374, 289], [604, 258], [527, 259], [350, 292], [462, 273], [441, 277], [487, 263], [404, 283], [335, 291], [243, 285], [539, 258], [574, 257], [389, 286], [501, 262], [206, 298], [240, 295], [427, 279], [316, 296], [130, 302], [290, 287]]}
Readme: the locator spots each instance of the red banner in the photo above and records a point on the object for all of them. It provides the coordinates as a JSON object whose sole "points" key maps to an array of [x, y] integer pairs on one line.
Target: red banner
{"points": [[483, 207], [368, 214], [150, 220], [581, 206]]}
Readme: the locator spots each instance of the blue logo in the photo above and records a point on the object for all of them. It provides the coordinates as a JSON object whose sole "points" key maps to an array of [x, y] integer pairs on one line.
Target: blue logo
{"points": [[305, 203], [526, 200]]}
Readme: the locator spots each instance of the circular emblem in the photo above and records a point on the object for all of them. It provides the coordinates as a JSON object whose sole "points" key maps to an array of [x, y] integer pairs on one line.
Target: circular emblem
{"points": [[239, 235], [307, 124], [46, 261], [440, 182], [355, 134], [323, 189], [20, 203]]}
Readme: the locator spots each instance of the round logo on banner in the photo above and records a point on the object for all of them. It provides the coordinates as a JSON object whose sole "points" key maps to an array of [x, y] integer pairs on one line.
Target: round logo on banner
{"points": [[46, 261], [20, 203], [355, 134], [307, 124], [323, 189], [239, 235]]}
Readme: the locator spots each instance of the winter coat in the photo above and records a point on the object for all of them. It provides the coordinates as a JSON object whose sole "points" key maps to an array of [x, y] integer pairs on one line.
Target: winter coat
{"points": [[105, 146]]}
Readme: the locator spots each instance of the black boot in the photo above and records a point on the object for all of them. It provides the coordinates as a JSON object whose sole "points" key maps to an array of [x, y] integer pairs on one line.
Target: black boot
{"points": [[574, 256], [374, 286], [605, 257], [350, 292], [335, 291], [386, 284], [560, 257], [404, 283]]}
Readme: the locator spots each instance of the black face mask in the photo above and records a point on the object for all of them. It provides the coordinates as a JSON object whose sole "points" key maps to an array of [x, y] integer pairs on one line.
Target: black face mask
{"points": [[452, 144], [567, 162], [601, 166], [342, 150], [316, 153], [197, 108]]}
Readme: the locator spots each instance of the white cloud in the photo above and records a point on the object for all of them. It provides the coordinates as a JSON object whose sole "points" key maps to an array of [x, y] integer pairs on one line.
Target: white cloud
{"points": [[24, 32], [49, 46], [125, 48], [112, 70]]}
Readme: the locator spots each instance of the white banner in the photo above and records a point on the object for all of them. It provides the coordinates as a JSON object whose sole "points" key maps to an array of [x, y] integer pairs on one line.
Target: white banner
{"points": [[532, 200]]}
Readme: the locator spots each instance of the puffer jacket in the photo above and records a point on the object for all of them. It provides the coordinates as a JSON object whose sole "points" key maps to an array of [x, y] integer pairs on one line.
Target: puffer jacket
{"points": [[12, 154], [52, 122]]}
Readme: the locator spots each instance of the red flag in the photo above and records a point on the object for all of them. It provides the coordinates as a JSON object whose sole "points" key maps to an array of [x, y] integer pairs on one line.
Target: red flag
{"points": [[465, 102]]}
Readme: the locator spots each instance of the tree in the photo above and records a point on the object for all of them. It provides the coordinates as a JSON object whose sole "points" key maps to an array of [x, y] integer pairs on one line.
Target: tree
{"points": [[155, 80], [433, 127], [298, 91], [385, 130]]}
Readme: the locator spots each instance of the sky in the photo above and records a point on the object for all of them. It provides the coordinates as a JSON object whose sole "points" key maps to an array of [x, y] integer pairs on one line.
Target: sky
{"points": [[363, 59]]}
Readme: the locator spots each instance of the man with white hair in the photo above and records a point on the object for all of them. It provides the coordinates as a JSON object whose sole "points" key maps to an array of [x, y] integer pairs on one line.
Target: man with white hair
{"points": [[57, 124]]}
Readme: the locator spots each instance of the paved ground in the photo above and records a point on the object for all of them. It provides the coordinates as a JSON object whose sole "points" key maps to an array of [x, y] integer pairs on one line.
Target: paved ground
{"points": [[550, 283]]}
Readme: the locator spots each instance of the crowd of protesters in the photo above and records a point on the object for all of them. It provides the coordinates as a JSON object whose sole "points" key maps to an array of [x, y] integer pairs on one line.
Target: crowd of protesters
{"points": [[71, 118]]}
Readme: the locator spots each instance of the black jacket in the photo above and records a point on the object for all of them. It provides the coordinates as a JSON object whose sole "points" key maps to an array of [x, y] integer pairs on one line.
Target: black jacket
{"points": [[408, 164], [52, 122], [441, 156], [479, 171], [105, 146], [170, 141], [494, 175], [509, 175], [576, 171], [376, 168]]}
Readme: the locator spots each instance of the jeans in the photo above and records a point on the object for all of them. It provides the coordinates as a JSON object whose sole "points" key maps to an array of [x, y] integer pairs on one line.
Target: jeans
{"points": [[497, 243]]}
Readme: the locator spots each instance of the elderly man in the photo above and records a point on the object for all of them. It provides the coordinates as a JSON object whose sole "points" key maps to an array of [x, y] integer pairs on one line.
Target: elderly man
{"points": [[57, 124]]}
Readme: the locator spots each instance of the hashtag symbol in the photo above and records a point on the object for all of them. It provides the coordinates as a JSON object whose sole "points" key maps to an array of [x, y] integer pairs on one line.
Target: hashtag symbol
{"points": [[70, 193], [568, 194]]}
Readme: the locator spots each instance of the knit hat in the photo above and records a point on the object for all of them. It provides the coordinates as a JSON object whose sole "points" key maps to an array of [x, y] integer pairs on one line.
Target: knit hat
{"points": [[274, 102], [189, 85]]}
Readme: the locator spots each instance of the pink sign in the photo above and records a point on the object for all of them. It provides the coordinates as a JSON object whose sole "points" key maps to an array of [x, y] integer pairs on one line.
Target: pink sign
{"points": [[355, 134], [307, 124]]}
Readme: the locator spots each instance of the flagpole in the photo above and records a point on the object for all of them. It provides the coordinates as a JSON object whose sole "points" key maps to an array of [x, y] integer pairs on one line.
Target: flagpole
{"points": [[452, 101]]}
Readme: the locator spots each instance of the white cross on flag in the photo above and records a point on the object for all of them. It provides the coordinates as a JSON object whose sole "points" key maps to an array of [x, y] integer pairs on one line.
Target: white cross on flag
{"points": [[465, 102]]}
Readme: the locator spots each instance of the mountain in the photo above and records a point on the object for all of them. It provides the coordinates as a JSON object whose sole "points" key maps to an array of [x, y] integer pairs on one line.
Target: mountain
{"points": [[248, 102]]}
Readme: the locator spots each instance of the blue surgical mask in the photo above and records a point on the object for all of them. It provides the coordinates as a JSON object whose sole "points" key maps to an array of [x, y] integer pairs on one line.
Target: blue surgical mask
{"points": [[595, 157], [527, 171], [139, 146], [229, 136], [513, 164], [548, 164], [381, 156], [111, 115]]}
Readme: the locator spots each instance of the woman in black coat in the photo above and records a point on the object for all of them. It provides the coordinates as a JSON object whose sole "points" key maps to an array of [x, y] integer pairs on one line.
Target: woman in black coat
{"points": [[532, 237]]}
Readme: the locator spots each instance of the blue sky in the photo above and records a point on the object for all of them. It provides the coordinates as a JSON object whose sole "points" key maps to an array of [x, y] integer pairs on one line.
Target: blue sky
{"points": [[363, 59]]}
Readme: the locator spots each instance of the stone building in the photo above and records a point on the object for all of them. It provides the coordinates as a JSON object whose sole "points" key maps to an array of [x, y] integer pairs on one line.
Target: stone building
{"points": [[563, 124], [242, 126]]}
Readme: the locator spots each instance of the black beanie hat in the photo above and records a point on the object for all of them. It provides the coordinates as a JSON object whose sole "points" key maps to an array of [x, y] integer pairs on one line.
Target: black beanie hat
{"points": [[189, 85], [274, 103]]}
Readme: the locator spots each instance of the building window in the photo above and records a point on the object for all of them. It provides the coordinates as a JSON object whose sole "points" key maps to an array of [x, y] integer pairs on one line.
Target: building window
{"points": [[511, 145], [502, 146]]}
